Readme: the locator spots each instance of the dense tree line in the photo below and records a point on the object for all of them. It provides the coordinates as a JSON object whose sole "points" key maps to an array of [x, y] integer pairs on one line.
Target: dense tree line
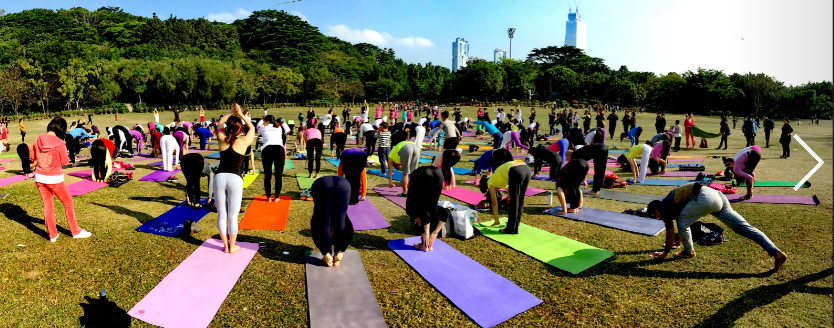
{"points": [[67, 59]]}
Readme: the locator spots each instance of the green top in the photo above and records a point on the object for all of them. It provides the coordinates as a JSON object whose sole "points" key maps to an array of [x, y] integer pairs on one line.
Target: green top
{"points": [[394, 155], [501, 177]]}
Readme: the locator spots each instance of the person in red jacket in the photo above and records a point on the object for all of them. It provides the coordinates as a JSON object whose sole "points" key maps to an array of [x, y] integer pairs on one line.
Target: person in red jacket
{"points": [[156, 136], [51, 153]]}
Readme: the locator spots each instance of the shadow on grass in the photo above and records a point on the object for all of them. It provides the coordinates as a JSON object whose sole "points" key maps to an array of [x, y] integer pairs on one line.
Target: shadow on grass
{"points": [[274, 249], [167, 200], [360, 240], [141, 217], [101, 312], [19, 215], [761, 296]]}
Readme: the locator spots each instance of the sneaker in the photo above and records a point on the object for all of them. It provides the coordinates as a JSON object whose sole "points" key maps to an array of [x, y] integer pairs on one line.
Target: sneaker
{"points": [[172, 179], [52, 240], [83, 234], [779, 259], [682, 255], [402, 195]]}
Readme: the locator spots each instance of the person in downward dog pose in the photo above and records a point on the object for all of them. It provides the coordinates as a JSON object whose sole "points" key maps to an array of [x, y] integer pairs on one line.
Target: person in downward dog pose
{"points": [[515, 176], [331, 227], [644, 151], [743, 165], [228, 182], [568, 180], [195, 167], [170, 151], [421, 205]]}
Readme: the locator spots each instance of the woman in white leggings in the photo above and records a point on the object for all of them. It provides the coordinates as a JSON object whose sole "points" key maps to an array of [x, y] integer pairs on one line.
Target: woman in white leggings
{"points": [[170, 151], [228, 182]]}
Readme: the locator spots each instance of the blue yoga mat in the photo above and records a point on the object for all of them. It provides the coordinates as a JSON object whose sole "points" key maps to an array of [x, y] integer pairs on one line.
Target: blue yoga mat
{"points": [[428, 153], [214, 155], [617, 151], [395, 175], [170, 223], [463, 171]]}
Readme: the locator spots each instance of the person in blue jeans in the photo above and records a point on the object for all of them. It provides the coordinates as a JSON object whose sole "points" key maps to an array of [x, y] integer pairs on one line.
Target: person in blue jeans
{"points": [[205, 136], [497, 136], [688, 203]]}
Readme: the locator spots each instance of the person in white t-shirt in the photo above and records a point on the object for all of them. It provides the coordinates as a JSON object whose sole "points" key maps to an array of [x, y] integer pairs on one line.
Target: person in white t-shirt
{"points": [[376, 122], [500, 115], [273, 153], [365, 127]]}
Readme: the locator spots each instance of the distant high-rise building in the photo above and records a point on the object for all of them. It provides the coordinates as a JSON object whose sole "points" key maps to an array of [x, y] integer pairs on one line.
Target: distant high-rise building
{"points": [[460, 54], [498, 54], [576, 31]]}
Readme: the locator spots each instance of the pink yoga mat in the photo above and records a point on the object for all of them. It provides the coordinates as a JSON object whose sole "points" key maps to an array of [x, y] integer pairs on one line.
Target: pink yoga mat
{"points": [[5, 160], [84, 186], [530, 190], [470, 197], [190, 295], [10, 180]]}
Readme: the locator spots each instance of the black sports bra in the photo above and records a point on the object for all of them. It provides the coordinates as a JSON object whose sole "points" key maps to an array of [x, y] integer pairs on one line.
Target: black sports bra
{"points": [[230, 162]]}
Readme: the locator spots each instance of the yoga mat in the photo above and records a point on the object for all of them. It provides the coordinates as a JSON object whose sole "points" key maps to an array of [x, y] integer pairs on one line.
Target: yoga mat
{"points": [[391, 194], [776, 199], [621, 221], [529, 192], [470, 197], [288, 164], [88, 173], [12, 179], [5, 161], [395, 175], [624, 196], [213, 155], [248, 179], [341, 296], [428, 153], [170, 223], [304, 181], [475, 143], [159, 175], [84, 186], [791, 184], [560, 252], [689, 157], [679, 164], [659, 182], [159, 163], [365, 216], [678, 174], [684, 160], [139, 159], [192, 293], [263, 215], [462, 171], [5, 156], [486, 297]]}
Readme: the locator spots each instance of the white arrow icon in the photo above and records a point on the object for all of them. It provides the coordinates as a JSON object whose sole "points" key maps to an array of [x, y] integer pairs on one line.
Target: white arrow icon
{"points": [[814, 170]]}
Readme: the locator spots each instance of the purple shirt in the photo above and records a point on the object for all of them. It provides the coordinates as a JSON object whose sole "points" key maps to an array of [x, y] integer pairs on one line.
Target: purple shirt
{"points": [[180, 136], [139, 139]]}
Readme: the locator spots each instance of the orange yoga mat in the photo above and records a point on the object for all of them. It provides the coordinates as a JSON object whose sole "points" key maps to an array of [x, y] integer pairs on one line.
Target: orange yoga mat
{"points": [[263, 215]]}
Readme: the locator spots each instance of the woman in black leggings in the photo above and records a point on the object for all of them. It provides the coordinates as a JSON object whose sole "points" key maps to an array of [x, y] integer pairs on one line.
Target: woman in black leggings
{"points": [[338, 139], [122, 143], [352, 166], [273, 155], [25, 155], [785, 138], [598, 153], [421, 204], [543, 155], [100, 160], [314, 147], [446, 161], [567, 185], [515, 176], [194, 167], [331, 228]]}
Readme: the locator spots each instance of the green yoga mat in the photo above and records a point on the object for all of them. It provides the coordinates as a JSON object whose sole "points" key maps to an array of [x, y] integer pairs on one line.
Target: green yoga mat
{"points": [[4, 156], [791, 184], [288, 164], [703, 134], [560, 252], [303, 181]]}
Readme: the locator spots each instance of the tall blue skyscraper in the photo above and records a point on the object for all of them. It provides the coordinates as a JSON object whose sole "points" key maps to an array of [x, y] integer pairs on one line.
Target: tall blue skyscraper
{"points": [[460, 54], [498, 54], [576, 31]]}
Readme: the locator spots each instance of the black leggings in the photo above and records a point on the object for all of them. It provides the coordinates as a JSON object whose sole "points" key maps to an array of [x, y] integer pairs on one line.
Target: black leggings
{"points": [[600, 163], [314, 147], [245, 166], [23, 153], [786, 148], [423, 194], [273, 155], [99, 172], [450, 143], [370, 142], [72, 147], [338, 139], [519, 178], [192, 168], [352, 165], [329, 225]]}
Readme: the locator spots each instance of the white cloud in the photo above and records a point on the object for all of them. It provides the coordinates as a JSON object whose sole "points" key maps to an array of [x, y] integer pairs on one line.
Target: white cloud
{"points": [[376, 38], [300, 15], [229, 17]]}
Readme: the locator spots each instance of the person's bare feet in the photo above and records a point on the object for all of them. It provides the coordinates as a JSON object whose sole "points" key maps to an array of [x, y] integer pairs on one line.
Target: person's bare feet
{"points": [[328, 260], [311, 176], [338, 258], [496, 223], [234, 248], [421, 247], [501, 230]]}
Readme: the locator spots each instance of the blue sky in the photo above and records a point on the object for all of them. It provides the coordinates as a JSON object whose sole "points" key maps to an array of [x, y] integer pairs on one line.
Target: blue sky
{"points": [[791, 40]]}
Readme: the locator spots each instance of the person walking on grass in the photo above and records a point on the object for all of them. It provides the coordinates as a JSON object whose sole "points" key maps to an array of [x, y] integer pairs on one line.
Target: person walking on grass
{"points": [[228, 182], [686, 204], [725, 132], [785, 138], [51, 154]]}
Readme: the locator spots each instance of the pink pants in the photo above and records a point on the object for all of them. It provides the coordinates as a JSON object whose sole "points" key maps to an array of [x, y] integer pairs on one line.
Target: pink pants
{"points": [[60, 190]]}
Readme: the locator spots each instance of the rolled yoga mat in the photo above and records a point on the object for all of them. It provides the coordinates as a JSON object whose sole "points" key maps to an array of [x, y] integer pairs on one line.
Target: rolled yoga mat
{"points": [[365, 216], [12, 179], [170, 223], [304, 180], [791, 184], [192, 293], [159, 175], [84, 187], [529, 192], [483, 295], [391, 194], [341, 296], [621, 221], [263, 215], [775, 199], [624, 196], [560, 252]]}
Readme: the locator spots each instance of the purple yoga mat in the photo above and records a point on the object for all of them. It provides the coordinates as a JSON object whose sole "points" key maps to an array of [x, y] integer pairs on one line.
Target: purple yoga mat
{"points": [[530, 190], [10, 180], [159, 175], [84, 174], [591, 164], [84, 186], [678, 174], [776, 199], [365, 216], [159, 163], [487, 298], [391, 194]]}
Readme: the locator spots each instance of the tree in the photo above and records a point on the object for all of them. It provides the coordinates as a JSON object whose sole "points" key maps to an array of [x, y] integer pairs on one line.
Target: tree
{"points": [[286, 39], [138, 81], [563, 79], [480, 79], [74, 79], [14, 88], [763, 90], [355, 89], [385, 88], [520, 77]]}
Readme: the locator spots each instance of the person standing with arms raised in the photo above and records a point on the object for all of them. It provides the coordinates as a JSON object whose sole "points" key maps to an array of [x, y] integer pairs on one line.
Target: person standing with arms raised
{"points": [[228, 182]]}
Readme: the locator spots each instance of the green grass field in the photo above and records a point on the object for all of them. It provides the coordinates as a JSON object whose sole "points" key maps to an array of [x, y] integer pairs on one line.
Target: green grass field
{"points": [[45, 284]]}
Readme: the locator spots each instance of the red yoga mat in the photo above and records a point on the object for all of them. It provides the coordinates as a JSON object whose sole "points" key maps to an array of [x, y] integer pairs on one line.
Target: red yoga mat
{"points": [[263, 215]]}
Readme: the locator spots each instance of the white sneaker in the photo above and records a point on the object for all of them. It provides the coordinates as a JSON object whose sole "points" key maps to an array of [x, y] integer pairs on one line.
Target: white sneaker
{"points": [[83, 234], [52, 240]]}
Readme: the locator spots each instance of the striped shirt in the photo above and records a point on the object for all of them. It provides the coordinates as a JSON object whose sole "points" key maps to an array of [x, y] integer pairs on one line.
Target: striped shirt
{"points": [[384, 139]]}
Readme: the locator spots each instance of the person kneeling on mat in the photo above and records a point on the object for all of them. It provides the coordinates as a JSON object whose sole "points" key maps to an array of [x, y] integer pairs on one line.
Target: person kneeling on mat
{"points": [[568, 180], [405, 155], [515, 176], [421, 205], [194, 167], [688, 203], [657, 159], [331, 228], [352, 168]]}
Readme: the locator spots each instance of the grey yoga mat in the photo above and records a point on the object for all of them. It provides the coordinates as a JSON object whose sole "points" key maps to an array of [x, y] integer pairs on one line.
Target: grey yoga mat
{"points": [[341, 294], [624, 196], [621, 221]]}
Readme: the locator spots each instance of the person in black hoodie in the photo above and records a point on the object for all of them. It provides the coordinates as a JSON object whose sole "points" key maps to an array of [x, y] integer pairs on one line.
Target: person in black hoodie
{"points": [[749, 130], [725, 132], [612, 123], [600, 119], [768, 127], [785, 139], [659, 123]]}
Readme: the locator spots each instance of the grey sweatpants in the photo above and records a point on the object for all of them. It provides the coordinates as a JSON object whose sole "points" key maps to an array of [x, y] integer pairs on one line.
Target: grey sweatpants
{"points": [[710, 201], [229, 193]]}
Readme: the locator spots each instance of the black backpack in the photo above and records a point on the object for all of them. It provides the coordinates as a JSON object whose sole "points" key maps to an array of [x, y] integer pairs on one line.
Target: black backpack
{"points": [[707, 233]]}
